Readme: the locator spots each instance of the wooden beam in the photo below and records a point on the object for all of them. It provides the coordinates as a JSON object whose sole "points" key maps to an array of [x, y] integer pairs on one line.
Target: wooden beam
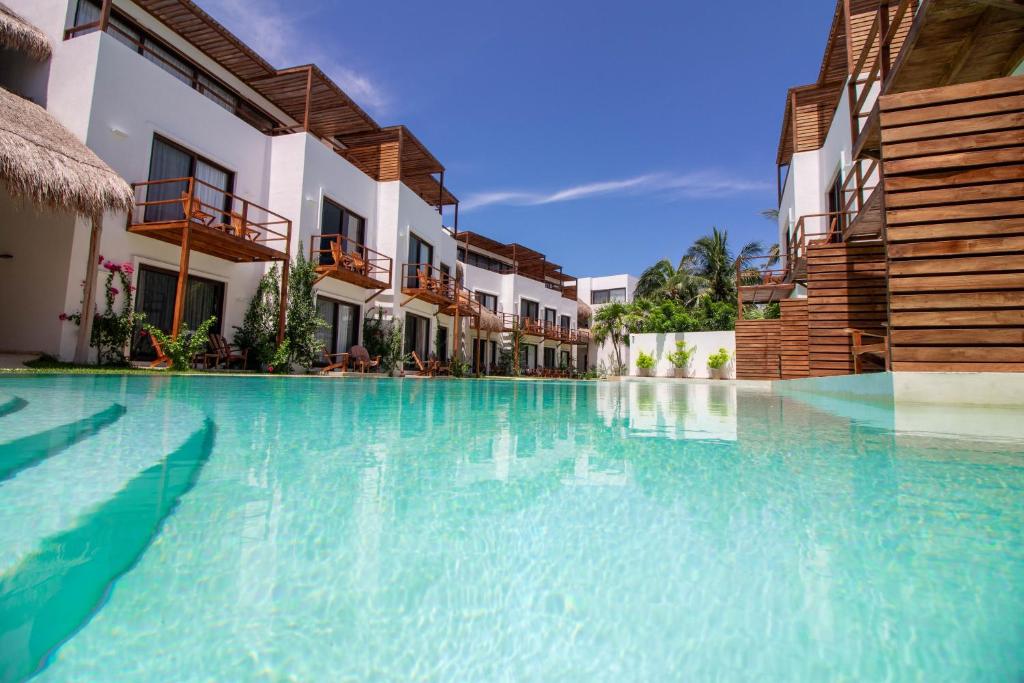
{"points": [[309, 97], [89, 294], [182, 288], [966, 45], [105, 14]]}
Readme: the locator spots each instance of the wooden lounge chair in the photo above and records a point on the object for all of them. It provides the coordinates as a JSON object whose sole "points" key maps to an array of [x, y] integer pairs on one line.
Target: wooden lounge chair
{"points": [[194, 209], [224, 353], [161, 357], [424, 368], [361, 358], [334, 362], [439, 367], [877, 353], [239, 229]]}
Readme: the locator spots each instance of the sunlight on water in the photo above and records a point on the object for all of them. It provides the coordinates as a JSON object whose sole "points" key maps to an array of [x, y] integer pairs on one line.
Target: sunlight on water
{"points": [[445, 530]]}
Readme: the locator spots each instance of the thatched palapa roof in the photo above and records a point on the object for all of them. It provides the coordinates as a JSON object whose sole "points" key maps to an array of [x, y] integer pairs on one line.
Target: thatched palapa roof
{"points": [[489, 322], [583, 310], [17, 34], [42, 161]]}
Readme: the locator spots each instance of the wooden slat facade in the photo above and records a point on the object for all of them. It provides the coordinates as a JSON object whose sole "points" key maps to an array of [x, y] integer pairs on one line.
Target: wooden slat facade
{"points": [[845, 289], [793, 336], [757, 349], [954, 177]]}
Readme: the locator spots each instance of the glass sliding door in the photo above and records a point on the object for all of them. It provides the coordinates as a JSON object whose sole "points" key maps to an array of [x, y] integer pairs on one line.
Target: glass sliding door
{"points": [[155, 299], [549, 358], [417, 336], [337, 220], [168, 162], [527, 356], [342, 331], [529, 310], [420, 254]]}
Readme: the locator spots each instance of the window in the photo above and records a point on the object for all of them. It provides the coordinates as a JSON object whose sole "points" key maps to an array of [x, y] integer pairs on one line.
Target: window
{"points": [[157, 289], [565, 360], [335, 219], [481, 261], [529, 309], [417, 336], [170, 60], [446, 272], [421, 255], [565, 323], [550, 316], [342, 331], [835, 205], [549, 357], [489, 358], [527, 356], [169, 161], [604, 296], [488, 301]]}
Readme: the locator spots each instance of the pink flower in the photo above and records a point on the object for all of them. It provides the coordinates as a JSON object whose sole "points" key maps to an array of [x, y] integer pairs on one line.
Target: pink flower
{"points": [[270, 368], [63, 316], [132, 288], [114, 290], [127, 268], [101, 260]]}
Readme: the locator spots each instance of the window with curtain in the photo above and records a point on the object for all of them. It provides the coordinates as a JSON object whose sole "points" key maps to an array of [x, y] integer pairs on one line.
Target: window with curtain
{"points": [[421, 253], [605, 296], [550, 315], [169, 161], [529, 309], [549, 358], [565, 322], [335, 219], [417, 336], [527, 356], [342, 318], [488, 301]]}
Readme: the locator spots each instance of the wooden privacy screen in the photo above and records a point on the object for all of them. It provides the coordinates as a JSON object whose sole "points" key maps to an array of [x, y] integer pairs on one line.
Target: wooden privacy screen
{"points": [[757, 349], [793, 339], [845, 288], [954, 179]]}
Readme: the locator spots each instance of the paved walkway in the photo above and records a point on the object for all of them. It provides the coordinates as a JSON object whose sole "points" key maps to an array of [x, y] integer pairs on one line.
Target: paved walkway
{"points": [[15, 361]]}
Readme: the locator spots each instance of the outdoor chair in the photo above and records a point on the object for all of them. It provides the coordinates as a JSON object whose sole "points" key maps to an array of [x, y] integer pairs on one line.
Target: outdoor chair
{"points": [[335, 361], [161, 357], [439, 368], [361, 358], [194, 209], [875, 353], [224, 353]]}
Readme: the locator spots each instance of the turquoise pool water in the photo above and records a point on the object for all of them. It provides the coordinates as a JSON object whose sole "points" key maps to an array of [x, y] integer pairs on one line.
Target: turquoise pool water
{"points": [[196, 529]]}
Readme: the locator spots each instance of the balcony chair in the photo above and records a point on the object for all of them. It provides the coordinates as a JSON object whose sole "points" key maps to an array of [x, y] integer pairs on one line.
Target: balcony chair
{"points": [[334, 362], [361, 358], [224, 353], [193, 209]]}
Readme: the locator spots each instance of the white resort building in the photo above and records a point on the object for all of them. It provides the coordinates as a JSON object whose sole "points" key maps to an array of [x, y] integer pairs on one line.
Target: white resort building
{"points": [[237, 165]]}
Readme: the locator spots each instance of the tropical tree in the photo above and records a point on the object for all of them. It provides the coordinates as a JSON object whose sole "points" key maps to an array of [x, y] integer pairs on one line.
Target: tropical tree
{"points": [[610, 323], [662, 280], [712, 260]]}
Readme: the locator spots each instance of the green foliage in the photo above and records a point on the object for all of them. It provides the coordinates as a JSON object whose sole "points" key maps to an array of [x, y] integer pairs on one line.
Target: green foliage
{"points": [[376, 328], [458, 368], [113, 329], [303, 320], [645, 361], [611, 322], [184, 348], [279, 362], [716, 361], [681, 357], [770, 311], [258, 332], [393, 357]]}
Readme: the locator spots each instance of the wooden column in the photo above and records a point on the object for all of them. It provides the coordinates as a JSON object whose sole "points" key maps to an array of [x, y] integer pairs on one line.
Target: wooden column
{"points": [[182, 289], [105, 14], [309, 96], [283, 303], [89, 293]]}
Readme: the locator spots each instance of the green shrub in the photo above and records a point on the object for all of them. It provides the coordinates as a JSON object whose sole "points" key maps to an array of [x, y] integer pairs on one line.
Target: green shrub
{"points": [[717, 361], [184, 348], [681, 357], [303, 320], [645, 361], [258, 332]]}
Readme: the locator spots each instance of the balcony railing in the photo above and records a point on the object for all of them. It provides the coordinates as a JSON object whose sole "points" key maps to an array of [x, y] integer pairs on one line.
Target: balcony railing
{"points": [[345, 259], [876, 59], [240, 228]]}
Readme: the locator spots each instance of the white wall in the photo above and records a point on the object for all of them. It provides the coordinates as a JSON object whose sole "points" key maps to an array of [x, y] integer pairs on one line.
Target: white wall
{"points": [[660, 345]]}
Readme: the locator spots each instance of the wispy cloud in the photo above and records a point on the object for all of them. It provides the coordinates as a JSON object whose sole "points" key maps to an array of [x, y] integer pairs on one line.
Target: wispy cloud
{"points": [[277, 35], [697, 185]]}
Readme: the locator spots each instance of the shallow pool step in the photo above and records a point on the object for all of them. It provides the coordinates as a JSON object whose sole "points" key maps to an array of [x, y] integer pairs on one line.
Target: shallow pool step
{"points": [[11, 405], [56, 590], [27, 451]]}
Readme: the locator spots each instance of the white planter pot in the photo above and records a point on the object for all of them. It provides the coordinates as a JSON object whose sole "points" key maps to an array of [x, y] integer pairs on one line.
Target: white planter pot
{"points": [[643, 372], [680, 373], [716, 373]]}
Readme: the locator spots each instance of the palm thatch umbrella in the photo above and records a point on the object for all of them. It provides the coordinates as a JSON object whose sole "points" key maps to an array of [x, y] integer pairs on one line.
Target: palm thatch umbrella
{"points": [[583, 311], [42, 162], [19, 35]]}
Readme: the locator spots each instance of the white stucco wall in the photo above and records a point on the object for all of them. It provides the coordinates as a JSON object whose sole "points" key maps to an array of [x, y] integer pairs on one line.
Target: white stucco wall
{"points": [[660, 345]]}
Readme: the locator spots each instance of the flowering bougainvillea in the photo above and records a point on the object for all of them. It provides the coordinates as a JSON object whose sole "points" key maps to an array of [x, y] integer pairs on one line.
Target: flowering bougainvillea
{"points": [[112, 329]]}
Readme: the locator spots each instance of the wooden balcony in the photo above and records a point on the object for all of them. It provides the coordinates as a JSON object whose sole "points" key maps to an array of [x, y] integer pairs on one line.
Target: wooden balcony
{"points": [[570, 293], [343, 259], [531, 327], [195, 215], [425, 282]]}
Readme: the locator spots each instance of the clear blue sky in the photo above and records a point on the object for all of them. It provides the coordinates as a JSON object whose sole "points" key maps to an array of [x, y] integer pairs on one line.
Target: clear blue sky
{"points": [[605, 135]]}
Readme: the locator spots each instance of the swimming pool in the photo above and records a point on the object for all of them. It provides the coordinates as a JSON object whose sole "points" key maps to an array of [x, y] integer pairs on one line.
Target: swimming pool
{"points": [[219, 528]]}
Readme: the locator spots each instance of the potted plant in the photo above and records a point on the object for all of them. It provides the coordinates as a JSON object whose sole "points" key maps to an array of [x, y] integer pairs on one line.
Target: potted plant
{"points": [[393, 359], [680, 358], [644, 364], [717, 362]]}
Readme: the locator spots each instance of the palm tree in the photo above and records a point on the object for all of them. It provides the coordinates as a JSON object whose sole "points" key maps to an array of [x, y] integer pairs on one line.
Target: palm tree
{"points": [[662, 280], [712, 260], [610, 323]]}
